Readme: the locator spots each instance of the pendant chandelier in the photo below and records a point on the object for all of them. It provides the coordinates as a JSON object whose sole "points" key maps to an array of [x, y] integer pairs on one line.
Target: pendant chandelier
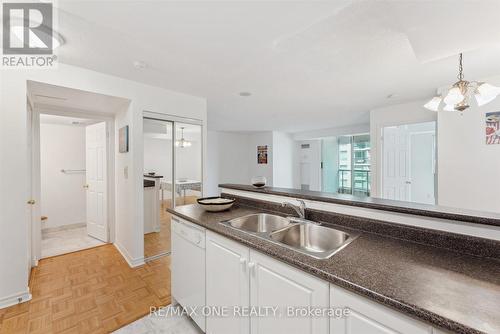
{"points": [[460, 96], [182, 142]]}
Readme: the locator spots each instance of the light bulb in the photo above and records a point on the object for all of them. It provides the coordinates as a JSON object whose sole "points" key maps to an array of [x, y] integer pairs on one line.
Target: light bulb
{"points": [[486, 90], [434, 103], [454, 96]]}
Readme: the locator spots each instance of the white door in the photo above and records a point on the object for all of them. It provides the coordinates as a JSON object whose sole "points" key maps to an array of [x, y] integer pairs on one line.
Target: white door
{"points": [[368, 317], [395, 182], [422, 167], [310, 165], [96, 166], [275, 284], [227, 283]]}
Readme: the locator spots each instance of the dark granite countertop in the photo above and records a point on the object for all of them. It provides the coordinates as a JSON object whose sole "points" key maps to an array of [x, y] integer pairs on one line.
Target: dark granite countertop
{"points": [[435, 211], [449, 290], [149, 183], [153, 176]]}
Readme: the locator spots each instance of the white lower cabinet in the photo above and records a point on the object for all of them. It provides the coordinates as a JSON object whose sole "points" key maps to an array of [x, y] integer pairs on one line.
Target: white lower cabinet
{"points": [[237, 276], [227, 282], [273, 283], [243, 279], [368, 317]]}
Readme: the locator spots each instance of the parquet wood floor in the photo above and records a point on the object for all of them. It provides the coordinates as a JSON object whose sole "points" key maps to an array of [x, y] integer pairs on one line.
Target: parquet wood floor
{"points": [[159, 242], [90, 291]]}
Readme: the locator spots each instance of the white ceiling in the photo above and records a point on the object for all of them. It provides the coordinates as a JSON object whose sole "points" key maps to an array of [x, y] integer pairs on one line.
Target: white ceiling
{"points": [[308, 64]]}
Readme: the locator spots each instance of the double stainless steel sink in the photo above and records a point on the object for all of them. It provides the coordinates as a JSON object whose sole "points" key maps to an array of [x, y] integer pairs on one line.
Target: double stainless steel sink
{"points": [[301, 235]]}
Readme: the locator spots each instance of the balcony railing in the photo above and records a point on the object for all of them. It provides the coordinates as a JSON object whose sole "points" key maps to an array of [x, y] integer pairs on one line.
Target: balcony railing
{"points": [[360, 183]]}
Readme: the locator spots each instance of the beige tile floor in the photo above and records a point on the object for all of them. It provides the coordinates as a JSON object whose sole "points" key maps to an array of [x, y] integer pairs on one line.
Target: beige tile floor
{"points": [[67, 241], [154, 324]]}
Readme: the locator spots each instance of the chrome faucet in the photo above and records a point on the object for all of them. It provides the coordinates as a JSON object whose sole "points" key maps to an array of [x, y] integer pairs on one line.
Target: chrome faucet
{"points": [[300, 209]]}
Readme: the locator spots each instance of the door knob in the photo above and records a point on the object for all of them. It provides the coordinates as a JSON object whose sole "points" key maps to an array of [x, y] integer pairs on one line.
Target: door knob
{"points": [[31, 202], [86, 186]]}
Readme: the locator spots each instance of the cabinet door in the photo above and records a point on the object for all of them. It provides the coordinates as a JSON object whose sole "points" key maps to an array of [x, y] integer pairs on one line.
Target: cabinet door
{"points": [[369, 317], [188, 266], [275, 284], [227, 283]]}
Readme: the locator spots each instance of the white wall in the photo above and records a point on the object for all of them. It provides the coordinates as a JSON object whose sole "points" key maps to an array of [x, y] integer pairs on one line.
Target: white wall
{"points": [[255, 169], [15, 188], [158, 156], [406, 113], [233, 158], [62, 194], [332, 132], [468, 169], [228, 159]]}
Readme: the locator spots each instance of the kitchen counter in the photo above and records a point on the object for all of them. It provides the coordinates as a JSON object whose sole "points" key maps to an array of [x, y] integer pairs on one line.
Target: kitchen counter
{"points": [[149, 183], [435, 211], [450, 290]]}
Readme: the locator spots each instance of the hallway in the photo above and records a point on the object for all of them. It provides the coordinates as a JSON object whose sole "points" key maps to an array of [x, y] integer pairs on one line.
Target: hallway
{"points": [[90, 291]]}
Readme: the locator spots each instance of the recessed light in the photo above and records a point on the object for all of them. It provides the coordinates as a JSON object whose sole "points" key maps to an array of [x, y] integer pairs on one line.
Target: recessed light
{"points": [[245, 94], [140, 64]]}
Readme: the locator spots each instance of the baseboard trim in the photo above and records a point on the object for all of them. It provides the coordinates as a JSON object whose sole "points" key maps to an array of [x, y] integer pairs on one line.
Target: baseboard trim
{"points": [[15, 299], [131, 261], [157, 256]]}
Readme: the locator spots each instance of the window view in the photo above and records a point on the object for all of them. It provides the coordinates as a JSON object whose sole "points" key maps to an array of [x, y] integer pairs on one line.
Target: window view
{"points": [[346, 165], [361, 165]]}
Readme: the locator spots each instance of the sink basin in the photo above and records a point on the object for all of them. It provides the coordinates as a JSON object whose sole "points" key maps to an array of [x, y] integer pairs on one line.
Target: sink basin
{"points": [[301, 235], [259, 223], [314, 240]]}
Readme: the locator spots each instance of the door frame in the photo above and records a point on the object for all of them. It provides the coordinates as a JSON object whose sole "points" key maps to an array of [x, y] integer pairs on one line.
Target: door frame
{"points": [[380, 154], [35, 171]]}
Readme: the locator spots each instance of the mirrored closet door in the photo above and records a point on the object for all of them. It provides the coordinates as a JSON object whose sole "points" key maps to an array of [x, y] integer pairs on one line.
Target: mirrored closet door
{"points": [[158, 193], [188, 165], [172, 176]]}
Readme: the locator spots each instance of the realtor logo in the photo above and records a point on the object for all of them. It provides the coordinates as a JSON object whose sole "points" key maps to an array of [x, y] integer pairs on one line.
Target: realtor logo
{"points": [[28, 35], [27, 28]]}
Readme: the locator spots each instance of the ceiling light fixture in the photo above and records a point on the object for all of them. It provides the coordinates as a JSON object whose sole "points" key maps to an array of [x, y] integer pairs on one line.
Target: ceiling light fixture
{"points": [[140, 64], [182, 142], [459, 96]]}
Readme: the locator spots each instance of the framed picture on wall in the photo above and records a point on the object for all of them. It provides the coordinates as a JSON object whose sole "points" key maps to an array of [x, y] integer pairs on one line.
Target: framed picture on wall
{"points": [[493, 128], [123, 139], [262, 154]]}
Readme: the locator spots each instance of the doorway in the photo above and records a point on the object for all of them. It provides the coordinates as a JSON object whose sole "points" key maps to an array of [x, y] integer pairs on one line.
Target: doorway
{"points": [[409, 160], [73, 177], [172, 175], [79, 167]]}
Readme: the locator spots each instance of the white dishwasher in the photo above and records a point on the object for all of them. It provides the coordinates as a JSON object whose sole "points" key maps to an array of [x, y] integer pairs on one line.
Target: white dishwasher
{"points": [[188, 267]]}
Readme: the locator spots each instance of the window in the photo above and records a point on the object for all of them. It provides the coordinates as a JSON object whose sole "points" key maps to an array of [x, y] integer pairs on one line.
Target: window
{"points": [[354, 165]]}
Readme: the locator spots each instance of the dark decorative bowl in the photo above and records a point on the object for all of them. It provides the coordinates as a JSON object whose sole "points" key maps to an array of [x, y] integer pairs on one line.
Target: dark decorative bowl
{"points": [[215, 204]]}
